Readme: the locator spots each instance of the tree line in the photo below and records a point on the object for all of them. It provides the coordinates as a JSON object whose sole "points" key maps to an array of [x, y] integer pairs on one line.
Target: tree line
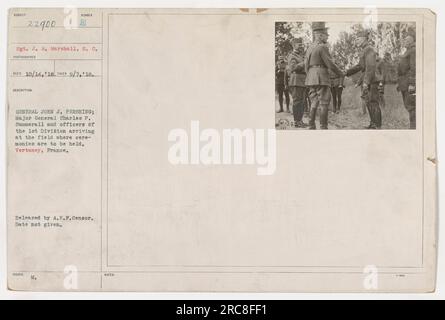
{"points": [[385, 37]]}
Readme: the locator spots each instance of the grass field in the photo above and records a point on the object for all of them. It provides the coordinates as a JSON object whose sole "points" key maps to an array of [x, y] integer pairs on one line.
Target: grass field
{"points": [[394, 115]]}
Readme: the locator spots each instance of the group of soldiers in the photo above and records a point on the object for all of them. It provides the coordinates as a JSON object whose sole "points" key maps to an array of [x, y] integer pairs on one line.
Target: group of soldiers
{"points": [[313, 77]]}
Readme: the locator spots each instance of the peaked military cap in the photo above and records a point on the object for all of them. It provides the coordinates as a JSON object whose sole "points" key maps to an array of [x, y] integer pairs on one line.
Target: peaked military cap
{"points": [[296, 41], [319, 26]]}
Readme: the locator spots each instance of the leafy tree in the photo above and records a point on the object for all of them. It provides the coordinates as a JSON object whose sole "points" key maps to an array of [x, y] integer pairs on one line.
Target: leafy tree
{"points": [[344, 51], [282, 39], [384, 37], [286, 31]]}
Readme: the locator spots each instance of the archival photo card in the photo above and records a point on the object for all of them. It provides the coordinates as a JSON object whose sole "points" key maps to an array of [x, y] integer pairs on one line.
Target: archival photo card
{"points": [[221, 150]]}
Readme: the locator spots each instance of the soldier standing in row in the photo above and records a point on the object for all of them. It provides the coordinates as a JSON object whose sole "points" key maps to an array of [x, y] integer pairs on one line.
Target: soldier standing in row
{"points": [[407, 77], [367, 65], [296, 78], [317, 63], [280, 84]]}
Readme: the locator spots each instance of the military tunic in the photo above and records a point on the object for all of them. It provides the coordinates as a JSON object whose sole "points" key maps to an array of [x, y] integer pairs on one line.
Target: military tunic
{"points": [[367, 65], [297, 74], [296, 84], [317, 63]]}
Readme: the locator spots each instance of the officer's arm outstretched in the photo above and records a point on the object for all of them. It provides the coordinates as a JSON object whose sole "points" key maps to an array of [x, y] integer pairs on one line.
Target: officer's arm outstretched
{"points": [[354, 70], [324, 53]]}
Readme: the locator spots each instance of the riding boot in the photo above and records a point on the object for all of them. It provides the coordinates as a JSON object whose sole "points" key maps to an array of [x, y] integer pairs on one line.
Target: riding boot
{"points": [[324, 117], [312, 114], [377, 116]]}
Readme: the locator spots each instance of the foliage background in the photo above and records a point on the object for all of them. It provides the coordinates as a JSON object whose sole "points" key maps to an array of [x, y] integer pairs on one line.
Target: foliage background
{"points": [[384, 36]]}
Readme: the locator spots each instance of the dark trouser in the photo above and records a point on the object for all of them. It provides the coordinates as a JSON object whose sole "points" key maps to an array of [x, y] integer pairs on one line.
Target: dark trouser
{"points": [[336, 97], [363, 101], [410, 105], [372, 104], [381, 89], [320, 98], [306, 100], [297, 94], [282, 91]]}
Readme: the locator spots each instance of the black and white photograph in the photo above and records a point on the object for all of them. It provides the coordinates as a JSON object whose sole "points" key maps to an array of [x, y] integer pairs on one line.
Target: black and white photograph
{"points": [[343, 75]]}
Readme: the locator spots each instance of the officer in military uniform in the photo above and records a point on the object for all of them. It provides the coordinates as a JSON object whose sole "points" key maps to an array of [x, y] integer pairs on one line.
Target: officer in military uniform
{"points": [[317, 62], [367, 64], [280, 85], [407, 77], [296, 81]]}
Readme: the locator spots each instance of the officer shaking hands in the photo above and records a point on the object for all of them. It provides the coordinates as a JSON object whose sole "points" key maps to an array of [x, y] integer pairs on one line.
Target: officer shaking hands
{"points": [[367, 65], [317, 64]]}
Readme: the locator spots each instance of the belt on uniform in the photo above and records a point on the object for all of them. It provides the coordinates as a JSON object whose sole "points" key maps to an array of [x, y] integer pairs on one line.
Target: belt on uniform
{"points": [[295, 72], [317, 66]]}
